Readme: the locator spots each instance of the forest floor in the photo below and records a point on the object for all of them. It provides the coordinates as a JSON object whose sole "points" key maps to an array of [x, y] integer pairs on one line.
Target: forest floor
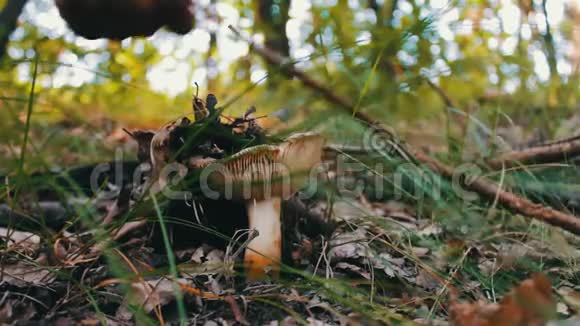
{"points": [[75, 255]]}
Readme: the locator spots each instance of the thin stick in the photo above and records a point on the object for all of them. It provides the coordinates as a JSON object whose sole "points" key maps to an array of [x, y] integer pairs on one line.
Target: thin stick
{"points": [[554, 152], [481, 185]]}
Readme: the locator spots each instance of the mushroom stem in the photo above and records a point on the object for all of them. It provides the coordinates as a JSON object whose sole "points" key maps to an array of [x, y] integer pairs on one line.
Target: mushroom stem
{"points": [[265, 250]]}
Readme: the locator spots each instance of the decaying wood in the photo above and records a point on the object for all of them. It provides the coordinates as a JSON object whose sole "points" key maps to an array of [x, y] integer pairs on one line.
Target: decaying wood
{"points": [[481, 185]]}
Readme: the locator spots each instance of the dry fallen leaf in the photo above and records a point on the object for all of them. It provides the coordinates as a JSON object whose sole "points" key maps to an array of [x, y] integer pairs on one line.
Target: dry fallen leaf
{"points": [[23, 242], [349, 210], [349, 245], [150, 294], [351, 268], [18, 311], [390, 265], [570, 296], [427, 280], [530, 304], [24, 274], [472, 314], [395, 210], [430, 229], [420, 252]]}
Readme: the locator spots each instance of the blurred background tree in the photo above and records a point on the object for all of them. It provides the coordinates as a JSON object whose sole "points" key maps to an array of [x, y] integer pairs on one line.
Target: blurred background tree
{"points": [[509, 68]]}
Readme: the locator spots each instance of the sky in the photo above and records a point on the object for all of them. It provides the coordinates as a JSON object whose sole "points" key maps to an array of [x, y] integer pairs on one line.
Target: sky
{"points": [[175, 73]]}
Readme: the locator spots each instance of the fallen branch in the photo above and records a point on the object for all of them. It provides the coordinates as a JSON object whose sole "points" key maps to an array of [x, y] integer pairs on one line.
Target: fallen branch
{"points": [[515, 203], [549, 153], [482, 185], [546, 153], [450, 104]]}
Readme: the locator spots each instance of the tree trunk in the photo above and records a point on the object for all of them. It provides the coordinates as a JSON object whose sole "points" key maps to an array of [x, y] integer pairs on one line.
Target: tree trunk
{"points": [[8, 19], [550, 48], [211, 59], [574, 11], [271, 19]]}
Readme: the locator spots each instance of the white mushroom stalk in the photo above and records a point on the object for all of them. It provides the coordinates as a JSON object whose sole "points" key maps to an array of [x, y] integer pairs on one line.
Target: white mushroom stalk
{"points": [[264, 252], [263, 176]]}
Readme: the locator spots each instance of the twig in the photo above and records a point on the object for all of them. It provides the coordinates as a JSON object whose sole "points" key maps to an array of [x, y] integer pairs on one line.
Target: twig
{"points": [[274, 58], [553, 152], [446, 99], [236, 310], [481, 185], [462, 120], [509, 200]]}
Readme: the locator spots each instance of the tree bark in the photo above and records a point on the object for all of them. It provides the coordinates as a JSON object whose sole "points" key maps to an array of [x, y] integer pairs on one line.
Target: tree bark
{"points": [[574, 12], [211, 59], [550, 48], [271, 19]]}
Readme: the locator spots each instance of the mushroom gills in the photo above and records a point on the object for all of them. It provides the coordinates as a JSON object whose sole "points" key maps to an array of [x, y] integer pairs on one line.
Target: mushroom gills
{"points": [[265, 250]]}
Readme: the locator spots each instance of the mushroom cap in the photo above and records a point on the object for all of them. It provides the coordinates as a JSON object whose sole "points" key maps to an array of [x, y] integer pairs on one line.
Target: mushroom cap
{"points": [[267, 171]]}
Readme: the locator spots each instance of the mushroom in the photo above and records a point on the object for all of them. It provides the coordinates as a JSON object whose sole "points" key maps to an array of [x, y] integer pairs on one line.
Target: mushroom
{"points": [[263, 176]]}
